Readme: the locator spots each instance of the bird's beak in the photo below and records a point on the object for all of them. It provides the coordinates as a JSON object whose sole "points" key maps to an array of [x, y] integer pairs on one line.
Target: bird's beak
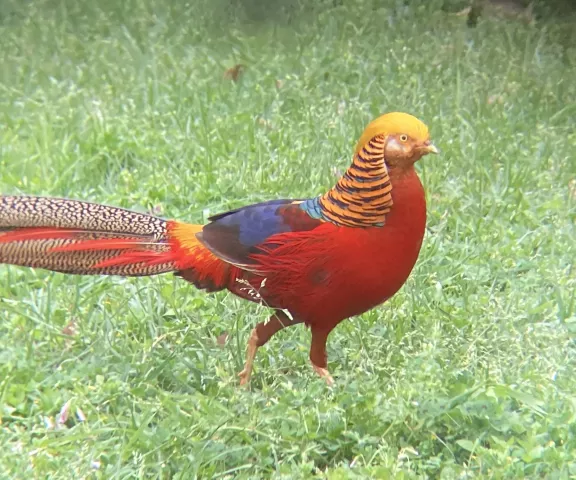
{"points": [[429, 147]]}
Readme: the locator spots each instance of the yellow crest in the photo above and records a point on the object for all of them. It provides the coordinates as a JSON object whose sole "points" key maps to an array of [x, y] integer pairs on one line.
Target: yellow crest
{"points": [[392, 124]]}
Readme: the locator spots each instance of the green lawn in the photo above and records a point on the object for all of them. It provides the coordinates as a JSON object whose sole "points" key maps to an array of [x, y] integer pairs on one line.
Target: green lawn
{"points": [[468, 371]]}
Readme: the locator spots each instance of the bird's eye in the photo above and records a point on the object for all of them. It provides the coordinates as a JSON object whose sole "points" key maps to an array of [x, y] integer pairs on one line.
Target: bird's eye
{"points": [[403, 138]]}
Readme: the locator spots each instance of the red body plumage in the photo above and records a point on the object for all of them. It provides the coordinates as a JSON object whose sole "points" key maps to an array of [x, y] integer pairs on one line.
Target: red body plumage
{"points": [[331, 273], [322, 260]]}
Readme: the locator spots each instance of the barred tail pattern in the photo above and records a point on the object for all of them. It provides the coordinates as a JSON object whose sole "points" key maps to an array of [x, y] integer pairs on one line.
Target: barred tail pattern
{"points": [[83, 238], [26, 211]]}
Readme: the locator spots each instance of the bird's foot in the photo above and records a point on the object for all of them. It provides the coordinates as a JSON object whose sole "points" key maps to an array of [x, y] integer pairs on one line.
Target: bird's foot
{"points": [[245, 376], [325, 374]]}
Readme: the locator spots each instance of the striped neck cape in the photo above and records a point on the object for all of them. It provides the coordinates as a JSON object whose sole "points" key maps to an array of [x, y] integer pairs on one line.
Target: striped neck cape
{"points": [[363, 196]]}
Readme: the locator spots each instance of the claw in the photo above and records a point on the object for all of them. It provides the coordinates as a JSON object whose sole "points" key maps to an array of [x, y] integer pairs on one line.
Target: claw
{"points": [[245, 377], [325, 374]]}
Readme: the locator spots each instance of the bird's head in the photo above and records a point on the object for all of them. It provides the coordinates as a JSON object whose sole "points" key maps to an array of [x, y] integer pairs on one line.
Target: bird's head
{"points": [[406, 139]]}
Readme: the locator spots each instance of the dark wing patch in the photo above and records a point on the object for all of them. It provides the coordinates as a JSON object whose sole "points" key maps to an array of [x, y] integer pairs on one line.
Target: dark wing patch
{"points": [[234, 236]]}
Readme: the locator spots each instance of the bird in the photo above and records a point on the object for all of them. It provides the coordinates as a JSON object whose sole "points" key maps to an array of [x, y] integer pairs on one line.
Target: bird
{"points": [[316, 261]]}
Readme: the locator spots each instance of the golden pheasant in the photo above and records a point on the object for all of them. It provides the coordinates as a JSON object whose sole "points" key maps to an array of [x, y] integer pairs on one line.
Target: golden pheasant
{"points": [[315, 261]]}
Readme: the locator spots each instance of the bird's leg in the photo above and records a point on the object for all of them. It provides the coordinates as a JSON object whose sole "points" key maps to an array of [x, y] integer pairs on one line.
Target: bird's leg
{"points": [[318, 355], [260, 335]]}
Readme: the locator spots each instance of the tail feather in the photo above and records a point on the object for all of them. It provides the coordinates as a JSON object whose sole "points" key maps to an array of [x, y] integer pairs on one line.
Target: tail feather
{"points": [[76, 237], [26, 211], [70, 236]]}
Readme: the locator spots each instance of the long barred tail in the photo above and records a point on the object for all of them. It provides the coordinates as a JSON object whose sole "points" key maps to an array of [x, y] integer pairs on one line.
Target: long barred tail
{"points": [[83, 238]]}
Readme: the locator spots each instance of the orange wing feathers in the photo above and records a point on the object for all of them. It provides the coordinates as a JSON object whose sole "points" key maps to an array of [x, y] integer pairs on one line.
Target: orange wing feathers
{"points": [[196, 263]]}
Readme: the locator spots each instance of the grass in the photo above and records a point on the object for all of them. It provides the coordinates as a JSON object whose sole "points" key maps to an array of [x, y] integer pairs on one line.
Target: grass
{"points": [[467, 372]]}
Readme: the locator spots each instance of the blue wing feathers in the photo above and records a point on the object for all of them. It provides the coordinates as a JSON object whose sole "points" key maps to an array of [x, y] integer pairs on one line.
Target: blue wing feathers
{"points": [[235, 235], [254, 223]]}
